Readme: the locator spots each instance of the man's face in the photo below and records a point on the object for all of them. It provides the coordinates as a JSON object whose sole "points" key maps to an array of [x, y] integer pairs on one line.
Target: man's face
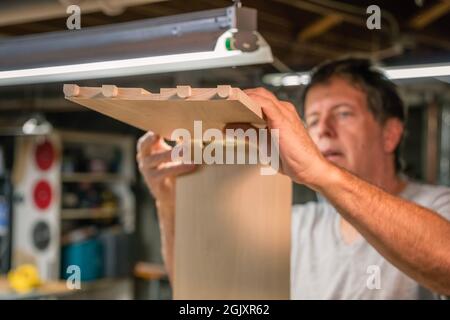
{"points": [[340, 123]]}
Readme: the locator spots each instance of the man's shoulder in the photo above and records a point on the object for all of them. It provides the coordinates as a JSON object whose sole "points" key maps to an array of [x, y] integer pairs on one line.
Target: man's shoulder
{"points": [[433, 197], [422, 192]]}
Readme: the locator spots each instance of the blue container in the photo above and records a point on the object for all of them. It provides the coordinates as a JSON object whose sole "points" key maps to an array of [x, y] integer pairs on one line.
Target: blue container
{"points": [[87, 255]]}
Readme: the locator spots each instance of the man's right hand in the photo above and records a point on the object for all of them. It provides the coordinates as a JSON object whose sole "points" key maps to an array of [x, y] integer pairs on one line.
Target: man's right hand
{"points": [[158, 169]]}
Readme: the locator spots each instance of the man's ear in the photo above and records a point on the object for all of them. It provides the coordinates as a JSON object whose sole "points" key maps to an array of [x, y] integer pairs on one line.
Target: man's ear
{"points": [[392, 134]]}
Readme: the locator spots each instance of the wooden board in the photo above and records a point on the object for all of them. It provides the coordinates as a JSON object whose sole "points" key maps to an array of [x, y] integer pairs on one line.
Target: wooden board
{"points": [[171, 108], [232, 234]]}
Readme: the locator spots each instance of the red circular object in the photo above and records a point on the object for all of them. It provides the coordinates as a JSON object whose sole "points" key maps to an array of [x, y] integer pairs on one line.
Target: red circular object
{"points": [[45, 155], [42, 194]]}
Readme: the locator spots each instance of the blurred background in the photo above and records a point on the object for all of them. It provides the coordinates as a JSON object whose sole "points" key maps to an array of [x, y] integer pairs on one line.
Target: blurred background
{"points": [[70, 191]]}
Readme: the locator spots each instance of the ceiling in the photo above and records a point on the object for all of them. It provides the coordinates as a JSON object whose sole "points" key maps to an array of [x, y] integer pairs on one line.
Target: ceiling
{"points": [[301, 33]]}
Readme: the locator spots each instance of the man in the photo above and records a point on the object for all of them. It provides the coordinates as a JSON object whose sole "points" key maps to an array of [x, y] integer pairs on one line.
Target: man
{"points": [[373, 234]]}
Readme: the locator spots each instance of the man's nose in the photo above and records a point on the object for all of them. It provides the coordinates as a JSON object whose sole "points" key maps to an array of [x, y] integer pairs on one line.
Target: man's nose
{"points": [[325, 127]]}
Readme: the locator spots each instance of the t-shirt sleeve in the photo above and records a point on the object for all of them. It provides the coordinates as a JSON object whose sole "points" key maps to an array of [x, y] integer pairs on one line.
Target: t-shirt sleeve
{"points": [[441, 202], [441, 205]]}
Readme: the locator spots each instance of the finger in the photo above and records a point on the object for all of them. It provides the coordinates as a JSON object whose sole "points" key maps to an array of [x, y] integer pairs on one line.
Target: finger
{"points": [[264, 93], [290, 108], [146, 140], [284, 106], [172, 170], [150, 140], [271, 111], [154, 160], [239, 125], [259, 90], [162, 144], [149, 144]]}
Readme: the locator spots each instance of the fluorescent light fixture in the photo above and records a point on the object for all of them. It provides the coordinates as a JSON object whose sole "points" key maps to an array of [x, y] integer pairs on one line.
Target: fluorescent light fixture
{"points": [[222, 37], [393, 73], [422, 71], [295, 80], [221, 56]]}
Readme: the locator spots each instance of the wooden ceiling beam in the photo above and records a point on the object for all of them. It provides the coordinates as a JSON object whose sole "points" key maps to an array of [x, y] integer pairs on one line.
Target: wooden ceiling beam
{"points": [[353, 41], [275, 20], [318, 9], [319, 50], [319, 27], [433, 41], [428, 16]]}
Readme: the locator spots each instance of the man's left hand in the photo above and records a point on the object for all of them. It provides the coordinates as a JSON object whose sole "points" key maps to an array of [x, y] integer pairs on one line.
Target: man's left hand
{"points": [[301, 160]]}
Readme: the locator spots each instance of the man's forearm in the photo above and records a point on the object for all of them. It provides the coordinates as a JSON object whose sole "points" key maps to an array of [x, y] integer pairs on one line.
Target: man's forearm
{"points": [[416, 240], [166, 216]]}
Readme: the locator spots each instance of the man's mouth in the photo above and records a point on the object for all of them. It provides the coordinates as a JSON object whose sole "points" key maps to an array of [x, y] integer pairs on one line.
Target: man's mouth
{"points": [[332, 154]]}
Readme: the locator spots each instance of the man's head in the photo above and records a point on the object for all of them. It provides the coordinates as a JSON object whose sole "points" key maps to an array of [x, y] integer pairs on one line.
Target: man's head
{"points": [[355, 116]]}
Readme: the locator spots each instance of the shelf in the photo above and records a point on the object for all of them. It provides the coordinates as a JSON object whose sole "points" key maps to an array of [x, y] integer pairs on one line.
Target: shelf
{"points": [[83, 138], [73, 214], [93, 177]]}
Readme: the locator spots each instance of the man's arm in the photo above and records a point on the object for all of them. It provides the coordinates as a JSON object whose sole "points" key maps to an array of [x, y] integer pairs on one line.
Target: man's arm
{"points": [[166, 217], [159, 172], [414, 239]]}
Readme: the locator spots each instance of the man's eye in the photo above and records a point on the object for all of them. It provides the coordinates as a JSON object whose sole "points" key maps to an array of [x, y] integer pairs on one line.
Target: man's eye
{"points": [[311, 123], [345, 114]]}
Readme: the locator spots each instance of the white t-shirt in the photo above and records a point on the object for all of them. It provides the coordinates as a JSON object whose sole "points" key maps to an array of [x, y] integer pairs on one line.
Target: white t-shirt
{"points": [[324, 267]]}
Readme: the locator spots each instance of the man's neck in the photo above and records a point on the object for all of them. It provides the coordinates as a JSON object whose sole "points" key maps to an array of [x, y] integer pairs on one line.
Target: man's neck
{"points": [[390, 181]]}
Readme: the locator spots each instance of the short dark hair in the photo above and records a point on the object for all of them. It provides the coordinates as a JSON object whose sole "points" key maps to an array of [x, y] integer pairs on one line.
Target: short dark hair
{"points": [[383, 100]]}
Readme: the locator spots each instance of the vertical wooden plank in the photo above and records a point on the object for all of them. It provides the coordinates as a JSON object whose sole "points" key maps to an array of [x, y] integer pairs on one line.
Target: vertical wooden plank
{"points": [[232, 234]]}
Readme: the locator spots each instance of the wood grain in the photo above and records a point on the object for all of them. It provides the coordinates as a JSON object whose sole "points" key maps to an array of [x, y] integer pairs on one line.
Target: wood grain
{"points": [[171, 109], [232, 234]]}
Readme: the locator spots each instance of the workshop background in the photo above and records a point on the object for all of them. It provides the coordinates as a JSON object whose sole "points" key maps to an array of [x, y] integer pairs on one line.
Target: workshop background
{"points": [[70, 191]]}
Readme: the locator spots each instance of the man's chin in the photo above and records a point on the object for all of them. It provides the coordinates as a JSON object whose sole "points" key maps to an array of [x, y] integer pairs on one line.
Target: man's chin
{"points": [[339, 161]]}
